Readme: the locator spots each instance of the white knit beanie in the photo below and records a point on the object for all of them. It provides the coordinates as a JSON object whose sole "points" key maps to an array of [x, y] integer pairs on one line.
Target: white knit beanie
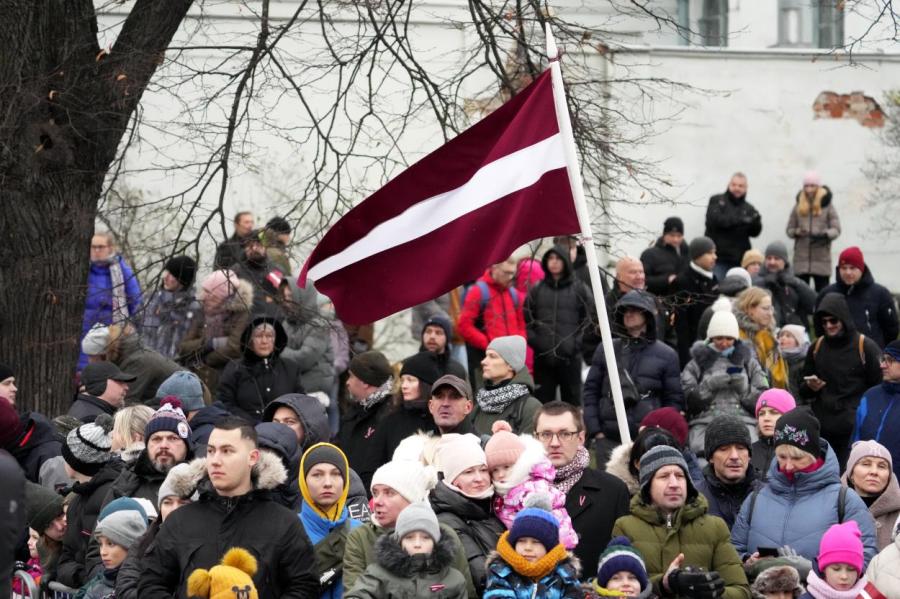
{"points": [[457, 454], [723, 324], [96, 340], [411, 479]]}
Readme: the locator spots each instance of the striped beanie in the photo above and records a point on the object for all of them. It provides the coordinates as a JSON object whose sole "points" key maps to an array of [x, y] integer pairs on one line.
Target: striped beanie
{"points": [[657, 457], [170, 418], [621, 556], [87, 448]]}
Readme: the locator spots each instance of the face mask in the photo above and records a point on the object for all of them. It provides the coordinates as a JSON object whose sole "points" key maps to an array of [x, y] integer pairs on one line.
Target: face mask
{"points": [[726, 352]]}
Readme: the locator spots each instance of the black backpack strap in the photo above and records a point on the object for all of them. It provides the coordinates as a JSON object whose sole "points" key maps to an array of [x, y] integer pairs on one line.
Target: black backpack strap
{"points": [[752, 506], [842, 504]]}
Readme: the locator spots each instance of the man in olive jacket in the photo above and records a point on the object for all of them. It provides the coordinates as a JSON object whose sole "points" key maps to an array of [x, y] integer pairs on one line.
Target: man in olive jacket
{"points": [[670, 527]]}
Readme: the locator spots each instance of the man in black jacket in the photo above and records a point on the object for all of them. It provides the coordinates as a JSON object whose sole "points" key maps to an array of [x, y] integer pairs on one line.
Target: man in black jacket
{"points": [[794, 301], [730, 222], [594, 499], [698, 288], [557, 312], [229, 251], [666, 258], [839, 367], [105, 388], [235, 509], [728, 477]]}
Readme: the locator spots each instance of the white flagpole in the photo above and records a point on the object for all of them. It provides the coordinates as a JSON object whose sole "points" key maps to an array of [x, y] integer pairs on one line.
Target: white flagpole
{"points": [[584, 219]]}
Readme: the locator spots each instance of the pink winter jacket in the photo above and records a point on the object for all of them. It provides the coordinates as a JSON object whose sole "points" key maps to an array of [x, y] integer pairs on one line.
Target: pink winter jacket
{"points": [[540, 479]]}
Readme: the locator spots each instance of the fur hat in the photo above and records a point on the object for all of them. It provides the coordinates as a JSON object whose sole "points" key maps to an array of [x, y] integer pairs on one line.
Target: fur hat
{"points": [[504, 447], [777, 579], [723, 324], [231, 579], [418, 516], [536, 521], [371, 367], [512, 349], [181, 481], [87, 448]]}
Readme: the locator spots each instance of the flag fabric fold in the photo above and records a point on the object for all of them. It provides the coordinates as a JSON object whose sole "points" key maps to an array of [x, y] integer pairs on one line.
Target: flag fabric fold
{"points": [[441, 222]]}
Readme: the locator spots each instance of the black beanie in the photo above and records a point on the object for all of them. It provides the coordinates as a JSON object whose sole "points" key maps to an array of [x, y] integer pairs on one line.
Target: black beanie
{"points": [[701, 245], [725, 430], [279, 225], [6, 372], [799, 428], [371, 367], [423, 366], [673, 224], [324, 453], [183, 268]]}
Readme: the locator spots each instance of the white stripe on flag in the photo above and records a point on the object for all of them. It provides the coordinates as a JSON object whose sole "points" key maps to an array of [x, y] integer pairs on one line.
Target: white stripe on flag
{"points": [[506, 175]]}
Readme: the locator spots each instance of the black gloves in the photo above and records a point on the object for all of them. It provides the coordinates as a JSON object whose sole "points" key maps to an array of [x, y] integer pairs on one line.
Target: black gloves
{"points": [[697, 584]]}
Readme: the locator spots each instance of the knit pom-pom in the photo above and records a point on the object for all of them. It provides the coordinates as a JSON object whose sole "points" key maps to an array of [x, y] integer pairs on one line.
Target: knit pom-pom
{"points": [[539, 500], [172, 400], [722, 304], [619, 542], [241, 559], [199, 583], [105, 421], [500, 425]]}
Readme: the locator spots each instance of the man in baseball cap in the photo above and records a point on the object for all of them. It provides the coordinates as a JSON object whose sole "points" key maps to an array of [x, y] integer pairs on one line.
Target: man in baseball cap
{"points": [[450, 405], [105, 387]]}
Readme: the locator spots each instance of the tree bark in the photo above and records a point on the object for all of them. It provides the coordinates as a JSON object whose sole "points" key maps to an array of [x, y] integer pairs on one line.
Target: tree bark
{"points": [[64, 108]]}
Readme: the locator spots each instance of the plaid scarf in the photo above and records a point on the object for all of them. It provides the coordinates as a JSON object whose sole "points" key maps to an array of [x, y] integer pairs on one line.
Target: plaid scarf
{"points": [[568, 475]]}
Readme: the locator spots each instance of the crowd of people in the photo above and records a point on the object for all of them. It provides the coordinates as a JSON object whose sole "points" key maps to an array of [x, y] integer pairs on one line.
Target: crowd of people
{"points": [[231, 437]]}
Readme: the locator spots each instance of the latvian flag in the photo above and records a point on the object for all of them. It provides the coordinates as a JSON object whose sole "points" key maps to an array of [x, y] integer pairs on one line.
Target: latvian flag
{"points": [[441, 222]]}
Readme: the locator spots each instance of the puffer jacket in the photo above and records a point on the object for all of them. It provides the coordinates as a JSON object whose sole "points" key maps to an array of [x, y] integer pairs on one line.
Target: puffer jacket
{"points": [[651, 364], [519, 414], [501, 315], [884, 510], [878, 418], [558, 311], [166, 317], [837, 362], [884, 569], [397, 575], [813, 233], [477, 528], [765, 347], [248, 385], [871, 305], [309, 340], [794, 301], [662, 261], [730, 223], [98, 303], [360, 553], [703, 539], [206, 354], [533, 473], [72, 567], [505, 581], [798, 514], [151, 368], [196, 535], [711, 391]]}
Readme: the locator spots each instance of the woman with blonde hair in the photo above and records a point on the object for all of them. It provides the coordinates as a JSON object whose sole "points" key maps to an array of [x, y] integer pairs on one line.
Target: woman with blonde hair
{"points": [[813, 225], [128, 431], [756, 319]]}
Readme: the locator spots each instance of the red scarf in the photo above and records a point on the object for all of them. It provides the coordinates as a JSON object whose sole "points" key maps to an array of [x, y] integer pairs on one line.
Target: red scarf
{"points": [[811, 468]]}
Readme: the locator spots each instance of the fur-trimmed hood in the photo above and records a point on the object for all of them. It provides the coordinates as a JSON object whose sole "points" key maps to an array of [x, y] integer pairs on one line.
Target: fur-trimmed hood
{"points": [[706, 356], [242, 298], [748, 325], [391, 556], [521, 471], [267, 474], [617, 465]]}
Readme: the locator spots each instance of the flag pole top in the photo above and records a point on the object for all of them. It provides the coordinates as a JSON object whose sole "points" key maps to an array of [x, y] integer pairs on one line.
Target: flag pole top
{"points": [[552, 51]]}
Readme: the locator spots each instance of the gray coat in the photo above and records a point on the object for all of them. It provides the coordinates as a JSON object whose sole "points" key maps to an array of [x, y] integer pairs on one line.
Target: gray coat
{"points": [[813, 234], [309, 340], [710, 390]]}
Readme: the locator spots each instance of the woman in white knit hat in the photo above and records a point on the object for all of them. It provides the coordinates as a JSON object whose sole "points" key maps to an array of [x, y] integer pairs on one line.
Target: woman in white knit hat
{"points": [[722, 378]]}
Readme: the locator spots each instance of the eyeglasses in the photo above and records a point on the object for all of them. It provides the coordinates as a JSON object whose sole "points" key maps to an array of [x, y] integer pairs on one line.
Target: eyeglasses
{"points": [[563, 436], [888, 360], [829, 320]]}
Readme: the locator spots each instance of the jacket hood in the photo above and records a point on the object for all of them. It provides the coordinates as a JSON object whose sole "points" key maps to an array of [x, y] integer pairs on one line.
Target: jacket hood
{"points": [[533, 455], [618, 467], [523, 377], [41, 432], [826, 197], [748, 325], [242, 298], [311, 413], [334, 514], [267, 474], [567, 272], [445, 499], [834, 304], [280, 336], [391, 556], [209, 415], [866, 280], [282, 440], [807, 482], [642, 301], [705, 355]]}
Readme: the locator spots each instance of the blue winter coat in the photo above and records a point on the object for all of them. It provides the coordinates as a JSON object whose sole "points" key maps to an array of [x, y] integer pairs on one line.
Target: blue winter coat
{"points": [[878, 418], [98, 303], [799, 514], [317, 528], [652, 365], [505, 583]]}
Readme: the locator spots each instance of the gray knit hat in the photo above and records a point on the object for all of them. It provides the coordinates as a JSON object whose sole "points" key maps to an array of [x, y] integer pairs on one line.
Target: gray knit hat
{"points": [[725, 430], [122, 528], [87, 448], [186, 387], [701, 245], [656, 458], [512, 349], [778, 249], [418, 516]]}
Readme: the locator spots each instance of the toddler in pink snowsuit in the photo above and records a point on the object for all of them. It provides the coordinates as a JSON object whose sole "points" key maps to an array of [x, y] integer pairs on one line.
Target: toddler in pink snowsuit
{"points": [[519, 467]]}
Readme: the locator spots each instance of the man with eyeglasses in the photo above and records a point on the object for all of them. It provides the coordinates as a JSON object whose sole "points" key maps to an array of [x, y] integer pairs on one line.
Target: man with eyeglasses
{"points": [[594, 499], [878, 414], [492, 308], [792, 299], [839, 367]]}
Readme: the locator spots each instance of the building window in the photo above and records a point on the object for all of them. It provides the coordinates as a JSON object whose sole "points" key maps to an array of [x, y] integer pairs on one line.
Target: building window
{"points": [[829, 23], [713, 24]]}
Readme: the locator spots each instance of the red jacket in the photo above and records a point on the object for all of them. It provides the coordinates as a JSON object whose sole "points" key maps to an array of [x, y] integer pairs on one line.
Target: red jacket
{"points": [[501, 315]]}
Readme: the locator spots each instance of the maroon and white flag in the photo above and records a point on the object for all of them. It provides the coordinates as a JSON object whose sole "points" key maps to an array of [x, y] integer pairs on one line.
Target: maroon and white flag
{"points": [[441, 222]]}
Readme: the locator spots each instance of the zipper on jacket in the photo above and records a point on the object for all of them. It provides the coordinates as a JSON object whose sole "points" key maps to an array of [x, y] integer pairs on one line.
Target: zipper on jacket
{"points": [[534, 591], [669, 520]]}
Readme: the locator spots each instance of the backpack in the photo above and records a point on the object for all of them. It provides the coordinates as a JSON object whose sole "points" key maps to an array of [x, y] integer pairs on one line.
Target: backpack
{"points": [[861, 349], [841, 505], [485, 293]]}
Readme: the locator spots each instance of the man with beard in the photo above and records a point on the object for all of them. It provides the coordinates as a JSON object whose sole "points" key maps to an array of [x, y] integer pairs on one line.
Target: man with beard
{"points": [[728, 476], [437, 332], [254, 267]]}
